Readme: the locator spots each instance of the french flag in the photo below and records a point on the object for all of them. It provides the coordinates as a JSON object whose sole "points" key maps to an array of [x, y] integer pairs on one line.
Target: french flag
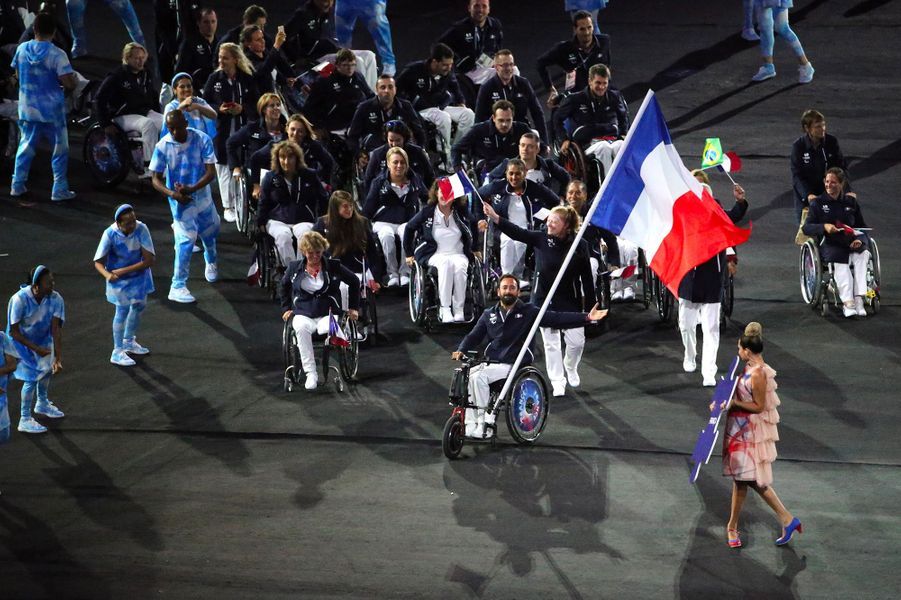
{"points": [[455, 186], [652, 200]]}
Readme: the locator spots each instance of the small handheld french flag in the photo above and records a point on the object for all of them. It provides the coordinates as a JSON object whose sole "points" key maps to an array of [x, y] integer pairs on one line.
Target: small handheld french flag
{"points": [[623, 272], [455, 186], [335, 335]]}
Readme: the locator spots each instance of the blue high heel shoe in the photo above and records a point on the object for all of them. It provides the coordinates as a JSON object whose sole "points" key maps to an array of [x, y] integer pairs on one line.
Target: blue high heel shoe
{"points": [[790, 529]]}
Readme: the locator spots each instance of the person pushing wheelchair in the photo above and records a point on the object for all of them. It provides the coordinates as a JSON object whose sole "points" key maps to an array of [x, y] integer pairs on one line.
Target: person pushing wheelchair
{"points": [[506, 325]]}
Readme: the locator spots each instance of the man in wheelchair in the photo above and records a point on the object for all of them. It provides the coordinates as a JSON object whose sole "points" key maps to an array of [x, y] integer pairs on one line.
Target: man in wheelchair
{"points": [[835, 217], [367, 128], [506, 326], [489, 143], [598, 118], [310, 295]]}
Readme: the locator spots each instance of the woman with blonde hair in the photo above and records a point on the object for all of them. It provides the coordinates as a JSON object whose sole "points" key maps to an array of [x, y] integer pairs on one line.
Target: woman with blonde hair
{"points": [[232, 91], [291, 199], [749, 445], [268, 128]]}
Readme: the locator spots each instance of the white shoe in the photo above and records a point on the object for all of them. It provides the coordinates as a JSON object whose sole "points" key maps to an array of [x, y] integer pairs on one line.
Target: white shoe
{"points": [[211, 272], [849, 311], [805, 73], [573, 378], [132, 346], [616, 296], [404, 280], [311, 383], [48, 409], [147, 174], [459, 316], [119, 357], [230, 215], [689, 366], [393, 281], [29, 425], [524, 284], [859, 306], [765, 72], [559, 389], [447, 315], [709, 382], [750, 35], [181, 295], [628, 294]]}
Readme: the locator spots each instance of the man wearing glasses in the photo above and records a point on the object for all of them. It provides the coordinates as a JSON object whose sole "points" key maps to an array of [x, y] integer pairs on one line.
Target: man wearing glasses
{"points": [[507, 85]]}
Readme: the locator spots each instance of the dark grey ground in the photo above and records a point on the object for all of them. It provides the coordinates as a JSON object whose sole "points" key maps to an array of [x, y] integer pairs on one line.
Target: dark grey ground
{"points": [[194, 475]]}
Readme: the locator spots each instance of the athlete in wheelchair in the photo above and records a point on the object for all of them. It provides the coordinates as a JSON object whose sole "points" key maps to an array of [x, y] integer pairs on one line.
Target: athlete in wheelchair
{"points": [[353, 243], [538, 168], [438, 243], [311, 304], [396, 134], [489, 143], [505, 326], [128, 121], [300, 131], [851, 275]]}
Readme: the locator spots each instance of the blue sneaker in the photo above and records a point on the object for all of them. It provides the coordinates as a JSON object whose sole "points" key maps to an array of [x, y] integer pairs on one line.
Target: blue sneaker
{"points": [[767, 71], [29, 425], [132, 346], [17, 192], [48, 409], [63, 195]]}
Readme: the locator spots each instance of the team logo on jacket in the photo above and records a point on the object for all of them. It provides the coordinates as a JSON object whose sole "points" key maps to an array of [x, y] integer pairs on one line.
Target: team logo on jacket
{"points": [[373, 117], [201, 49], [336, 86], [825, 208], [217, 86], [493, 318], [468, 37]]}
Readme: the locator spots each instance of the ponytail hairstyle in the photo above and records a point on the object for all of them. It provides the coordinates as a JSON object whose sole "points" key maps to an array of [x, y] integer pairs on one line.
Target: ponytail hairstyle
{"points": [[752, 338]]}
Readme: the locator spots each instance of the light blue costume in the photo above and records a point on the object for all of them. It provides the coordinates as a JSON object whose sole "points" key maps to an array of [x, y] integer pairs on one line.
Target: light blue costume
{"points": [[6, 347], [186, 163], [129, 292], [592, 6], [372, 12], [194, 118], [42, 111], [35, 323], [772, 18], [123, 8]]}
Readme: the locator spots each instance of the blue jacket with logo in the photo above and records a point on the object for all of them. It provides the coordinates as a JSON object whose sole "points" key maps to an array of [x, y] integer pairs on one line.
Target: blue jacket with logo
{"points": [[836, 247]]}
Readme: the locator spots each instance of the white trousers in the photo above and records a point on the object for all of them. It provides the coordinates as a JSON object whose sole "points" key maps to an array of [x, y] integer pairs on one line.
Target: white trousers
{"points": [[149, 127], [345, 291], [707, 314], [366, 65], [224, 175], [304, 328], [284, 236], [553, 352], [513, 254], [605, 152], [444, 119], [628, 255], [480, 377], [452, 270], [851, 284], [386, 233]]}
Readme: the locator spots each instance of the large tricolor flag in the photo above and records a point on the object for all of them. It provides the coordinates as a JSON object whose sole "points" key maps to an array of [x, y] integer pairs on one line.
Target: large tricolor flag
{"points": [[455, 186], [651, 199]]}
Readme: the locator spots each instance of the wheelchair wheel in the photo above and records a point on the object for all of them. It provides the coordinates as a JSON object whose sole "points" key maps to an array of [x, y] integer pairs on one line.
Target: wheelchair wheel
{"points": [[728, 299], [663, 298], [290, 356], [527, 405], [573, 160], [645, 279], [416, 294], [811, 273], [874, 276], [350, 354], [452, 438], [477, 290], [242, 204], [107, 157], [262, 259]]}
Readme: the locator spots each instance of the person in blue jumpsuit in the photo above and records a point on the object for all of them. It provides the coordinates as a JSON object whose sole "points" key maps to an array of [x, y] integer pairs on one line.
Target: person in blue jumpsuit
{"points": [[35, 317], [372, 12], [8, 361], [187, 158], [124, 257], [123, 8], [42, 68], [772, 18]]}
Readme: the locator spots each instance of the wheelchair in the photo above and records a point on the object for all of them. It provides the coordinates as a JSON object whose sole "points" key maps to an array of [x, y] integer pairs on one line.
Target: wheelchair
{"points": [[245, 205], [664, 299], [423, 294], [818, 288], [109, 157], [579, 165], [491, 262], [526, 406], [348, 355], [269, 268]]}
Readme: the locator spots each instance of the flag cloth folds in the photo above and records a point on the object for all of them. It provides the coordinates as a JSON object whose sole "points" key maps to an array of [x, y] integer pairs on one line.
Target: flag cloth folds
{"points": [[455, 186], [335, 335], [651, 199], [712, 154]]}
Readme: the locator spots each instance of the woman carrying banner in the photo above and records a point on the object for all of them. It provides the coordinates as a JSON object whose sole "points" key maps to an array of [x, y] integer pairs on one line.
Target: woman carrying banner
{"points": [[575, 291], [749, 445]]}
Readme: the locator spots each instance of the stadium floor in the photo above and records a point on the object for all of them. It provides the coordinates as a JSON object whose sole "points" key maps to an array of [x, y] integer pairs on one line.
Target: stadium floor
{"points": [[193, 475]]}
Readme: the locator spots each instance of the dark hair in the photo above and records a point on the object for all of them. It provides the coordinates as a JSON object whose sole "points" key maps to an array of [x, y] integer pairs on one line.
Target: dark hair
{"points": [[344, 56], [838, 172], [508, 276], [810, 117], [254, 13], [598, 70], [752, 338], [248, 32], [400, 128], [345, 235], [531, 135], [503, 105], [515, 162], [44, 24], [581, 14], [440, 52]]}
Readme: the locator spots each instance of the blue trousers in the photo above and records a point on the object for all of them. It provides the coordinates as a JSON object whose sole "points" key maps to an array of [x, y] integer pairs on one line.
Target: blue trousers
{"points": [[373, 14], [31, 133], [30, 389], [123, 8], [194, 222]]}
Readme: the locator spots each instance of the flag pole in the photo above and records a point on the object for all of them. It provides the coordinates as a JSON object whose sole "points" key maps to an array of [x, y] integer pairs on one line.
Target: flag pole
{"points": [[572, 249]]}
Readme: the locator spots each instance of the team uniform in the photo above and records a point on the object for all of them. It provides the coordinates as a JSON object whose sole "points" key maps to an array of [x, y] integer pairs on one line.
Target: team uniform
{"points": [[597, 124], [372, 12], [809, 164], [129, 99], [7, 351], [484, 142], [519, 91], [574, 61], [123, 8]]}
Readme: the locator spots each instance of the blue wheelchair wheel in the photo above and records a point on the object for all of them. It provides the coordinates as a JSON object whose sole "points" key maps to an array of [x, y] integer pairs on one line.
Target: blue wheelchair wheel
{"points": [[527, 406], [107, 157]]}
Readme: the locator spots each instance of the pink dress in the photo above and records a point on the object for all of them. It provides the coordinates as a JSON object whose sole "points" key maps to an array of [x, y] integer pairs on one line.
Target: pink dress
{"points": [[749, 447]]}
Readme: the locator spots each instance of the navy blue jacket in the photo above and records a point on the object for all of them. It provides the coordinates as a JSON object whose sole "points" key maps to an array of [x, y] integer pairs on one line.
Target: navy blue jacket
{"points": [[549, 168], [328, 297], [314, 154], [311, 33], [809, 165], [469, 41], [303, 204], [375, 260], [263, 65], [218, 90], [197, 57], [369, 120], [417, 85], [253, 137], [419, 164], [535, 197], [484, 142], [569, 57], [549, 254], [836, 247], [124, 92], [704, 283], [382, 203], [507, 330], [419, 228], [333, 100], [527, 108], [601, 117]]}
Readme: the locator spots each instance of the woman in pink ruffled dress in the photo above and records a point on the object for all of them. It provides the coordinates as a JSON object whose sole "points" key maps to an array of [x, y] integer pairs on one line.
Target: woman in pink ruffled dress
{"points": [[749, 446]]}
